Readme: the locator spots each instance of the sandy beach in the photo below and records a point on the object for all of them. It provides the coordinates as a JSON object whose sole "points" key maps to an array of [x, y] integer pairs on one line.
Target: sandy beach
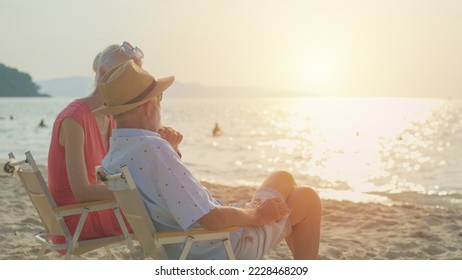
{"points": [[352, 231]]}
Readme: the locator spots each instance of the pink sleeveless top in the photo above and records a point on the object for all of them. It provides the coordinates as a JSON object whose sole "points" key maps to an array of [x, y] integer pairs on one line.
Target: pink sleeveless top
{"points": [[94, 151], [98, 224]]}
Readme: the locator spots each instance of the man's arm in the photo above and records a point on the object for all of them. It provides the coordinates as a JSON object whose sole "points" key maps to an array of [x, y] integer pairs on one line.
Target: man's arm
{"points": [[225, 216]]}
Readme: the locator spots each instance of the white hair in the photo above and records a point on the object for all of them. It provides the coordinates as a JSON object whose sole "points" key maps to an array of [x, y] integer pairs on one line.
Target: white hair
{"points": [[105, 59]]}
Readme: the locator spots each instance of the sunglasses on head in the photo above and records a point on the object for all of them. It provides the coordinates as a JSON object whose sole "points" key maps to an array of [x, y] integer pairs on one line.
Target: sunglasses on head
{"points": [[131, 50], [128, 49]]}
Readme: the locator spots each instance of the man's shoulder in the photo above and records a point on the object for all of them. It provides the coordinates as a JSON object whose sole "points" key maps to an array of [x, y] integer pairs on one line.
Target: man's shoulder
{"points": [[133, 133], [139, 141]]}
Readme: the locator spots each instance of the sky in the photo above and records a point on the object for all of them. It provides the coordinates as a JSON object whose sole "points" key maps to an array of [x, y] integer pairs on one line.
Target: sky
{"points": [[340, 48]]}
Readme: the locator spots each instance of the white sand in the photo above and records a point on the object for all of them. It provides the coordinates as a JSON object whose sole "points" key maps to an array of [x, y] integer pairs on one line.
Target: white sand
{"points": [[353, 231]]}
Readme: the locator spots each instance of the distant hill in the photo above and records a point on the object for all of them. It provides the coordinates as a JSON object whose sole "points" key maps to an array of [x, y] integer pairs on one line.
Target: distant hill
{"points": [[82, 86], [68, 86], [14, 83], [179, 89]]}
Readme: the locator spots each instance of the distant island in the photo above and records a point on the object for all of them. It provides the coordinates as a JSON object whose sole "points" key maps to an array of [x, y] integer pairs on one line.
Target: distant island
{"points": [[14, 83], [80, 86]]}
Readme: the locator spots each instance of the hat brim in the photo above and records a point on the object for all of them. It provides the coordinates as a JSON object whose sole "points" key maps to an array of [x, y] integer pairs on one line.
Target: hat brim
{"points": [[161, 86]]}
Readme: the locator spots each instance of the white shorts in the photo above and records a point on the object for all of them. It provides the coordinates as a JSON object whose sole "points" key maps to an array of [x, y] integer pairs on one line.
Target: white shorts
{"points": [[256, 242]]}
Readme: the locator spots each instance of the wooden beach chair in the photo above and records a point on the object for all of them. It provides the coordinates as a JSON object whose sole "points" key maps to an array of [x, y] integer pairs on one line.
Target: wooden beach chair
{"points": [[52, 216], [134, 209]]}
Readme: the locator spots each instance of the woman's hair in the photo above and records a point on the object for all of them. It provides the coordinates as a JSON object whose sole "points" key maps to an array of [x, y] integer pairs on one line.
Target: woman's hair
{"points": [[110, 57], [104, 58]]}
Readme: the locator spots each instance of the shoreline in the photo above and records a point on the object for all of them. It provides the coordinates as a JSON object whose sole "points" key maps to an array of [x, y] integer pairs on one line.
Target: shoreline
{"points": [[349, 230]]}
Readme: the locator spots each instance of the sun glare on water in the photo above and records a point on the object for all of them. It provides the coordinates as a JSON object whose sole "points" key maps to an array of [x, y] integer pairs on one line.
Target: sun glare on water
{"points": [[348, 140]]}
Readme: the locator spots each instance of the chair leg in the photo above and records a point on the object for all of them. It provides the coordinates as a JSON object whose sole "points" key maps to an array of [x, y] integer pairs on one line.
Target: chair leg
{"points": [[68, 255], [109, 253], [125, 231], [229, 249], [78, 229], [141, 254], [42, 251], [187, 247], [73, 242]]}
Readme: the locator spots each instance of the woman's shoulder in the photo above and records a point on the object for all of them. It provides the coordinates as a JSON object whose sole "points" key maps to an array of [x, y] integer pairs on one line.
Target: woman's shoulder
{"points": [[76, 110]]}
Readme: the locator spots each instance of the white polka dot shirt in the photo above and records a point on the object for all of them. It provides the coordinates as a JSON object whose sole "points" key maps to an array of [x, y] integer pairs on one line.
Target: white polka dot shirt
{"points": [[173, 196]]}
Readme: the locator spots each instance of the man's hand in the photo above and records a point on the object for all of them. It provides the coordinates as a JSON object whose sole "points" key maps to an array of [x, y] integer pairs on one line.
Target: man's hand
{"points": [[270, 210], [259, 213], [172, 136]]}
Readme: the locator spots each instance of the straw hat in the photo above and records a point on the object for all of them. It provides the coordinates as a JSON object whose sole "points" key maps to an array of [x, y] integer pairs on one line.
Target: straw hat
{"points": [[127, 86]]}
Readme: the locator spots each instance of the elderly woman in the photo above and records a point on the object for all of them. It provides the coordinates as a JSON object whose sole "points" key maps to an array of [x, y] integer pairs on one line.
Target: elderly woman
{"points": [[79, 142]]}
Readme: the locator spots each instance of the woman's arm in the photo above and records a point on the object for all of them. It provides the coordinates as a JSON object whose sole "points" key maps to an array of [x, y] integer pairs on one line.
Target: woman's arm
{"points": [[71, 136]]}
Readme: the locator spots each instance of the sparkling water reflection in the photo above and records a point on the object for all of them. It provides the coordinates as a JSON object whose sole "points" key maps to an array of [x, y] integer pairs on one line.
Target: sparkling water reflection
{"points": [[359, 149]]}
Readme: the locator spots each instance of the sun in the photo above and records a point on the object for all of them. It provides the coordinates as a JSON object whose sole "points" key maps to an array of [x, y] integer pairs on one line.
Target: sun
{"points": [[318, 71], [320, 68]]}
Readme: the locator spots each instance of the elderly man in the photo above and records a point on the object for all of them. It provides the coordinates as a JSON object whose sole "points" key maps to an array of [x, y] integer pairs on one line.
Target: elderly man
{"points": [[175, 199]]}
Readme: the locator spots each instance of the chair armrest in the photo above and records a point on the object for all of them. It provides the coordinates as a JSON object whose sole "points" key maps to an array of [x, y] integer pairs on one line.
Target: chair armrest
{"points": [[192, 232], [73, 209]]}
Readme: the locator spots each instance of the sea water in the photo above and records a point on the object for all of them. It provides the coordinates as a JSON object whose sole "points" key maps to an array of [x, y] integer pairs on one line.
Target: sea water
{"points": [[389, 150]]}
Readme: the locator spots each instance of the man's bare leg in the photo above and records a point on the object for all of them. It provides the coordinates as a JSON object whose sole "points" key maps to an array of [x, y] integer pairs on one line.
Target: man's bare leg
{"points": [[306, 223], [305, 216]]}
